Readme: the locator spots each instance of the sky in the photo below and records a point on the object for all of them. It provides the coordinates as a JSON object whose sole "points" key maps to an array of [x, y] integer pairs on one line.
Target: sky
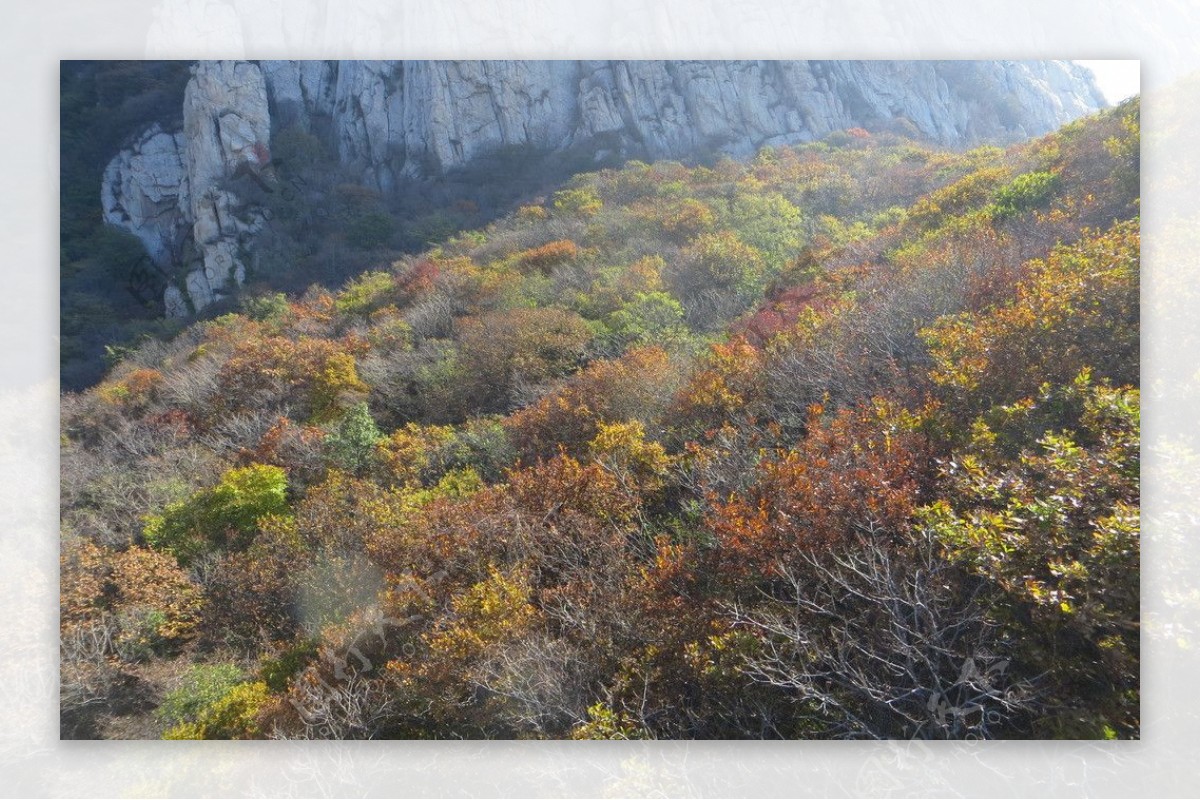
{"points": [[1117, 79]]}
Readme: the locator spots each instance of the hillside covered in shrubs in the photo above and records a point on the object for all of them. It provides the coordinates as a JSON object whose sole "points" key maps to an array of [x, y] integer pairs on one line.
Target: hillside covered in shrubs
{"points": [[840, 442]]}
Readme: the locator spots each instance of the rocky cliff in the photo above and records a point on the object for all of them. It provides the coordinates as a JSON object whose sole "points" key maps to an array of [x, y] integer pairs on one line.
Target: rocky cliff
{"points": [[395, 120]]}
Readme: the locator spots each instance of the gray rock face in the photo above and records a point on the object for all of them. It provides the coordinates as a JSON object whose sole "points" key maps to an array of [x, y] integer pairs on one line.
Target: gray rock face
{"points": [[145, 191], [227, 128], [423, 118], [392, 120], [299, 90], [167, 189]]}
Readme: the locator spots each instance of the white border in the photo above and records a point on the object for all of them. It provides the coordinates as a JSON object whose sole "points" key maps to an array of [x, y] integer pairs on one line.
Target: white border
{"points": [[36, 35]]}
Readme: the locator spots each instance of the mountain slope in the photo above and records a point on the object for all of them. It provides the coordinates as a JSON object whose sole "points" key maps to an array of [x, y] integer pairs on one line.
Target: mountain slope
{"points": [[640, 459]]}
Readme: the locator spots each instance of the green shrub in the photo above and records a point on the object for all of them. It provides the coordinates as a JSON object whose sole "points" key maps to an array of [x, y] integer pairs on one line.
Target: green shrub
{"points": [[352, 442], [278, 672], [226, 515], [652, 317], [365, 294], [584, 202], [1026, 192], [267, 307], [202, 686], [768, 222], [722, 261], [233, 715], [484, 446]]}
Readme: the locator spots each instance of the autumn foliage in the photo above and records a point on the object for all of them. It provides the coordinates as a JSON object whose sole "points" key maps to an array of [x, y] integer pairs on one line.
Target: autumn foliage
{"points": [[842, 441]]}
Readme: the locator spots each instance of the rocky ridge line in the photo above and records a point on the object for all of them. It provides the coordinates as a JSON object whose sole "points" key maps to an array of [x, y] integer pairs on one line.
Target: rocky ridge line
{"points": [[395, 120]]}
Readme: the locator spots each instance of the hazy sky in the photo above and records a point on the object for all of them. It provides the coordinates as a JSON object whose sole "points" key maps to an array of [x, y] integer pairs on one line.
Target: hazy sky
{"points": [[1118, 79]]}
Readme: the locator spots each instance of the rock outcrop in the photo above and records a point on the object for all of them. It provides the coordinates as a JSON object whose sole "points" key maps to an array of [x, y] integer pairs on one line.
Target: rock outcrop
{"points": [[168, 189], [227, 128], [145, 191], [389, 121]]}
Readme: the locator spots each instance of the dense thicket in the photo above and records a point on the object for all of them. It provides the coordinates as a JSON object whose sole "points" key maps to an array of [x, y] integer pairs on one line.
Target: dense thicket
{"points": [[840, 442]]}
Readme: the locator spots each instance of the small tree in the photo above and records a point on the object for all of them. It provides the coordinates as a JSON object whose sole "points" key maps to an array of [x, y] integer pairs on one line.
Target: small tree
{"points": [[352, 442], [651, 318], [226, 515], [214, 702]]}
